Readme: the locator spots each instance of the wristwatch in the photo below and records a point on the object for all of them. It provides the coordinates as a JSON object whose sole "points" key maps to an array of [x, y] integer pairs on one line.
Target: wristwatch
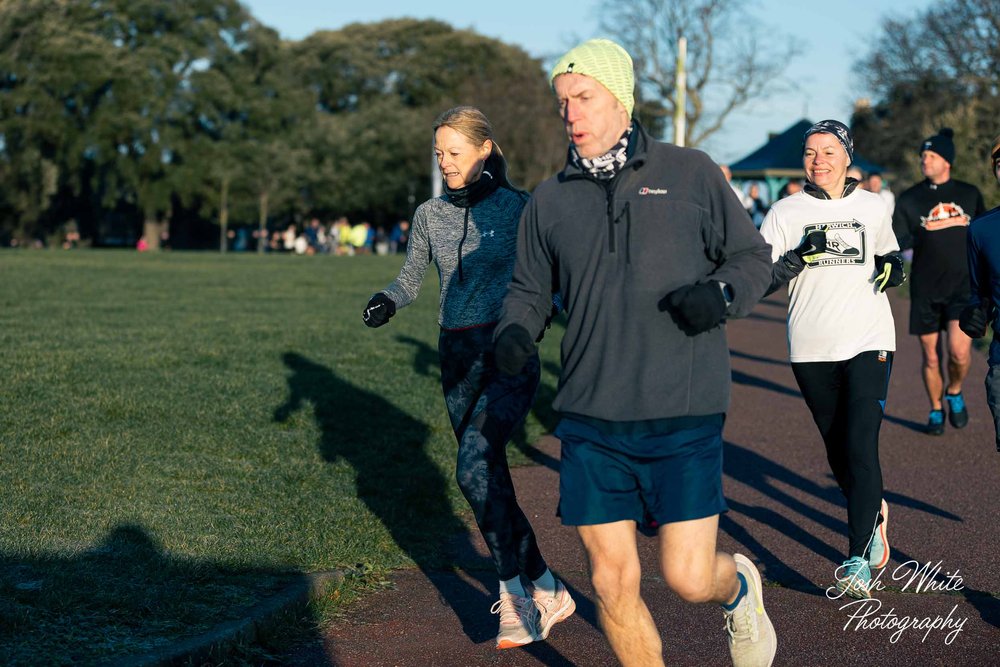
{"points": [[727, 293]]}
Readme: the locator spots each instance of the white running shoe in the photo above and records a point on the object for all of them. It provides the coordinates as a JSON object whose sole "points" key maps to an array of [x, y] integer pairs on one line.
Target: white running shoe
{"points": [[752, 642], [518, 620], [554, 609]]}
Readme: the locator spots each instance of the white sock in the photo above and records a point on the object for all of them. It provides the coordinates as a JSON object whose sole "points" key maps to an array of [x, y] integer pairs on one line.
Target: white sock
{"points": [[512, 586], [546, 583]]}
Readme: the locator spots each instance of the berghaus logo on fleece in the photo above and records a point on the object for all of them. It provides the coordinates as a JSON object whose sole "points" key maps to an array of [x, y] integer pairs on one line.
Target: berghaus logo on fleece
{"points": [[652, 191]]}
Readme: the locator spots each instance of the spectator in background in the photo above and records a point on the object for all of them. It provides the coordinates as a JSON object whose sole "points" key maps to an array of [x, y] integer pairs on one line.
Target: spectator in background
{"points": [[878, 186], [288, 238], [316, 237], [359, 238], [857, 175], [984, 280], [344, 229], [757, 208], [302, 246], [399, 236], [744, 200], [381, 243], [789, 189], [932, 217]]}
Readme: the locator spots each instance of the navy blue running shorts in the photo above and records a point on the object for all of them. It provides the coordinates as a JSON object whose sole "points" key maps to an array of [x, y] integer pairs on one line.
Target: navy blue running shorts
{"points": [[665, 475]]}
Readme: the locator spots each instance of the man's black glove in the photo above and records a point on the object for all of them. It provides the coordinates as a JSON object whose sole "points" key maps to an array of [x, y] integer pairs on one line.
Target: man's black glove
{"points": [[512, 349], [888, 271], [973, 321], [378, 311], [696, 308], [813, 244]]}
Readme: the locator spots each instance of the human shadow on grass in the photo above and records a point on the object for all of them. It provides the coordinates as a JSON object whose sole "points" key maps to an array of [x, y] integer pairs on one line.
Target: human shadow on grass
{"points": [[395, 477], [427, 363], [400, 485], [111, 602]]}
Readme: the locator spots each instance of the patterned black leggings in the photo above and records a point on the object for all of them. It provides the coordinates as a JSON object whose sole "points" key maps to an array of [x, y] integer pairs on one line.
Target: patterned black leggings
{"points": [[485, 407]]}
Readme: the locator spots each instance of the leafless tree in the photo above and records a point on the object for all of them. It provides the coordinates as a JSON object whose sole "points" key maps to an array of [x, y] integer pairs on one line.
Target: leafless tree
{"points": [[731, 59]]}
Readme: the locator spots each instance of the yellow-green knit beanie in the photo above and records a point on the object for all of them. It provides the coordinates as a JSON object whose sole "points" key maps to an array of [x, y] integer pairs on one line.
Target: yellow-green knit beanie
{"points": [[606, 62]]}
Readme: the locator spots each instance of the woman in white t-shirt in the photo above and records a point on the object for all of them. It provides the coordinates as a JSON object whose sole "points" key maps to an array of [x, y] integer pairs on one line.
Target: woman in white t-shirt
{"points": [[833, 243]]}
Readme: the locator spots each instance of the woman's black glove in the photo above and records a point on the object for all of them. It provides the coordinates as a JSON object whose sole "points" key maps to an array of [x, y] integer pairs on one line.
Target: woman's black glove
{"points": [[378, 311], [813, 244], [696, 308], [512, 349], [889, 271], [973, 321]]}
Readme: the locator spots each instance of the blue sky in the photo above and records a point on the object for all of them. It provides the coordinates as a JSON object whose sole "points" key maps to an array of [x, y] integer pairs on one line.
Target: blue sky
{"points": [[820, 81]]}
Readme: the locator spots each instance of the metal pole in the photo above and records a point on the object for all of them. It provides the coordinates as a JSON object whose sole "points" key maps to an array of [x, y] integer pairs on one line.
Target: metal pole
{"points": [[680, 99], [437, 186]]}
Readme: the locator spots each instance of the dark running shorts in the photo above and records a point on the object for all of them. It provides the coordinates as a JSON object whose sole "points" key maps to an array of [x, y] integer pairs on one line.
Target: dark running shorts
{"points": [[931, 315], [663, 476]]}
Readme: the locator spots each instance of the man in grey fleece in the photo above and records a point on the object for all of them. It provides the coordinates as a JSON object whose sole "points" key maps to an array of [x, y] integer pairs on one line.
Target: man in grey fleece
{"points": [[652, 251]]}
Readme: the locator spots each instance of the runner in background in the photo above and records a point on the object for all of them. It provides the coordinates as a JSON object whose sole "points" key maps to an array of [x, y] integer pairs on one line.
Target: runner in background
{"points": [[932, 217]]}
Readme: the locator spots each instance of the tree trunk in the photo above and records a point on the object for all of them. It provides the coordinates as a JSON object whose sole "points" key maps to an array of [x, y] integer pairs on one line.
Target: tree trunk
{"points": [[263, 220], [151, 230], [224, 214]]}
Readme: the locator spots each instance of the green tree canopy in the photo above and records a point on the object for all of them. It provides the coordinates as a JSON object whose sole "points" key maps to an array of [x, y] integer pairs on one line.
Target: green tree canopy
{"points": [[380, 86], [132, 115]]}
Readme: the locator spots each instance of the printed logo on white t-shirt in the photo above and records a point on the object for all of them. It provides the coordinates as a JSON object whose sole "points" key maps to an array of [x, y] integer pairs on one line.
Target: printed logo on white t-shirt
{"points": [[845, 243]]}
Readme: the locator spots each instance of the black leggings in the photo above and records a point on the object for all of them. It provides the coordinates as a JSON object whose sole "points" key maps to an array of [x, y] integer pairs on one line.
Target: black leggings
{"points": [[485, 407], [847, 399]]}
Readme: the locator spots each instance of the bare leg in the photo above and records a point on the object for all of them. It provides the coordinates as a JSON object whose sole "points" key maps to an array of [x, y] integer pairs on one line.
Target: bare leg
{"points": [[932, 368], [959, 356], [691, 566], [615, 573]]}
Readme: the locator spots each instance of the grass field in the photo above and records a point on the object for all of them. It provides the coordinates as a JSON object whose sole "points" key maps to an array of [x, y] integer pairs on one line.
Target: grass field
{"points": [[183, 434]]}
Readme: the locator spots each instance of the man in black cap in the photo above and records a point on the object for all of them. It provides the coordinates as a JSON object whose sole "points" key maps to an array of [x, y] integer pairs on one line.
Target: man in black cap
{"points": [[932, 217]]}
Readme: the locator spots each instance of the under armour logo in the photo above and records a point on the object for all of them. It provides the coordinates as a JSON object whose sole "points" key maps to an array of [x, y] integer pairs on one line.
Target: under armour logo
{"points": [[489, 233]]}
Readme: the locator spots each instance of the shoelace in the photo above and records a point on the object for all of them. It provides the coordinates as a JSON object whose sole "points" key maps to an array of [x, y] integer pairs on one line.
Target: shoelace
{"points": [[513, 609], [742, 623], [852, 578]]}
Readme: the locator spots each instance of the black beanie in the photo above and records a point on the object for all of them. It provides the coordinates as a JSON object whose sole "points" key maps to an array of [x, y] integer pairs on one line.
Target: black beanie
{"points": [[942, 144]]}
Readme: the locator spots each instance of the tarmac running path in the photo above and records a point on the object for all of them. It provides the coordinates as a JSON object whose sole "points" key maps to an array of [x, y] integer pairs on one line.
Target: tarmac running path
{"points": [[785, 513]]}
